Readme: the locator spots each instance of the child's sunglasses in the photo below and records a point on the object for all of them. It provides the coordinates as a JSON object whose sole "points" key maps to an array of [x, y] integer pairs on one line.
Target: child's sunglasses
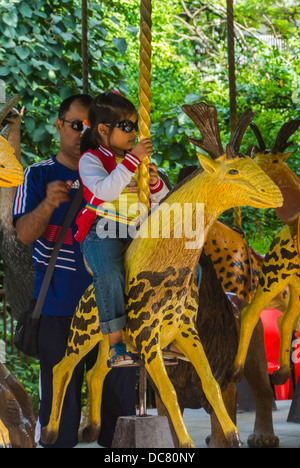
{"points": [[76, 125], [126, 126]]}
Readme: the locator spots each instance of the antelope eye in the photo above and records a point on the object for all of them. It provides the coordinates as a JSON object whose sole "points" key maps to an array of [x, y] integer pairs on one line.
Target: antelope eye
{"points": [[233, 172]]}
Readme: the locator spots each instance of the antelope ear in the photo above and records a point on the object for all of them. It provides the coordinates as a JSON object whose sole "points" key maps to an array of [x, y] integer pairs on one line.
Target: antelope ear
{"points": [[284, 157], [221, 158], [209, 165]]}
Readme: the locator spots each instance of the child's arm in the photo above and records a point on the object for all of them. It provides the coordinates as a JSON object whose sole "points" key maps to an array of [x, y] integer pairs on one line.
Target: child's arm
{"points": [[105, 186], [108, 187]]}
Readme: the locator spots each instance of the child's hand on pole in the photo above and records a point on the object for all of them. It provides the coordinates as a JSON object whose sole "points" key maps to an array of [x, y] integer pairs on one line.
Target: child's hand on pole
{"points": [[153, 174], [143, 149]]}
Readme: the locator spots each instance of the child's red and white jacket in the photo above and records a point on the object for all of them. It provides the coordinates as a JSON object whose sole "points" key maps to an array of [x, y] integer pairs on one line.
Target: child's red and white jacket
{"points": [[104, 180]]}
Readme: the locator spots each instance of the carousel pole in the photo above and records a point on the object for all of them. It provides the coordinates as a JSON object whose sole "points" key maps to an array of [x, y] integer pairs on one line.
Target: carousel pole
{"points": [[231, 65], [144, 431], [84, 46], [144, 123], [232, 88], [144, 98]]}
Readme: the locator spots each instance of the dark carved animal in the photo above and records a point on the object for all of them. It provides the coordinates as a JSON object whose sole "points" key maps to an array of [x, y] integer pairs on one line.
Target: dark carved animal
{"points": [[17, 261], [16, 413], [17, 421], [217, 325]]}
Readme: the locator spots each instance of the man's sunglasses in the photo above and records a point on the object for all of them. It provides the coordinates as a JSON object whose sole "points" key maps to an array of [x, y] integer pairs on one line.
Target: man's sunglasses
{"points": [[126, 126], [76, 125]]}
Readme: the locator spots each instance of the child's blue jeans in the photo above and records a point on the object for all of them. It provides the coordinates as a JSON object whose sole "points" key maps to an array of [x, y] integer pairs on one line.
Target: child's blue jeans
{"points": [[105, 259]]}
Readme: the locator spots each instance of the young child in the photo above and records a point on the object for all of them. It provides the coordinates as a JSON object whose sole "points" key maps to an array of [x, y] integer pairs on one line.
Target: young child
{"points": [[108, 169]]}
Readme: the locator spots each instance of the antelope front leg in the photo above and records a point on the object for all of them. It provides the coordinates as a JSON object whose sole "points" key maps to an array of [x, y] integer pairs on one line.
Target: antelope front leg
{"points": [[249, 319], [4, 436], [157, 372], [189, 343], [62, 374], [95, 379]]}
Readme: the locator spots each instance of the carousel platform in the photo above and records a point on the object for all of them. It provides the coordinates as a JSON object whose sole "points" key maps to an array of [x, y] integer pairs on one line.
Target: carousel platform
{"points": [[198, 426]]}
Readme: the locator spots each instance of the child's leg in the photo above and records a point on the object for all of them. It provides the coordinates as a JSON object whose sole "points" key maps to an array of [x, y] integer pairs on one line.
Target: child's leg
{"points": [[105, 259], [106, 262]]}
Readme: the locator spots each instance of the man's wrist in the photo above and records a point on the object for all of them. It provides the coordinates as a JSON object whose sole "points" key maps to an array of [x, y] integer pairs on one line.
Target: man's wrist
{"points": [[48, 204]]}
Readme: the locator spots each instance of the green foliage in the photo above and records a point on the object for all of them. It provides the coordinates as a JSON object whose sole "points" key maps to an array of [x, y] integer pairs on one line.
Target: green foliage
{"points": [[41, 59]]}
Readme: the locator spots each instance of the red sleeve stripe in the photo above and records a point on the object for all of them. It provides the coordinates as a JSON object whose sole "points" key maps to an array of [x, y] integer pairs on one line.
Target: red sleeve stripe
{"points": [[156, 187], [131, 162]]}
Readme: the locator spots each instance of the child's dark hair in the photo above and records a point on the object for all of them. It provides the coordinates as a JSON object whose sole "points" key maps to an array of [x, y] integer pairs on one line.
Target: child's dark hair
{"points": [[107, 108]]}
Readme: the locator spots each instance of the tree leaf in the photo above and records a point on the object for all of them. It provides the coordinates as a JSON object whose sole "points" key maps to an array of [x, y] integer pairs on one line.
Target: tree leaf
{"points": [[23, 52], [171, 131], [133, 30], [25, 10], [120, 44], [4, 71]]}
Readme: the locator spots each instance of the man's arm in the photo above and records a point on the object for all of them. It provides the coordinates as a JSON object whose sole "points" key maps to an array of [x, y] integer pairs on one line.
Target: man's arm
{"points": [[31, 226]]}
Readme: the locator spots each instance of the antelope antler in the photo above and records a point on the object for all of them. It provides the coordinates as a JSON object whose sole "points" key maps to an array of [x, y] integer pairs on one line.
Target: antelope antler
{"points": [[240, 130], [284, 134], [205, 119], [260, 140]]}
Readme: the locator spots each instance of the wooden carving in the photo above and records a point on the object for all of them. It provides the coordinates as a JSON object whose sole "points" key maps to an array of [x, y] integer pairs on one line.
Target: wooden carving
{"points": [[162, 294], [11, 171], [236, 263], [17, 421], [280, 268], [205, 119], [17, 258]]}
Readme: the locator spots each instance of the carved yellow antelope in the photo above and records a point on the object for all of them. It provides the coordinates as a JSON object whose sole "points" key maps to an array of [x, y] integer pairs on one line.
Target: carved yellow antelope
{"points": [[162, 294], [273, 161], [280, 268], [238, 267], [236, 263]]}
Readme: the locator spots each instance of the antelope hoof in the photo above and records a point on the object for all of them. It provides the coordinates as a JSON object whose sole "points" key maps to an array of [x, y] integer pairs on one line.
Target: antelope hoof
{"points": [[186, 442], [4, 445], [91, 433], [263, 441], [233, 439], [280, 376], [48, 437], [188, 445]]}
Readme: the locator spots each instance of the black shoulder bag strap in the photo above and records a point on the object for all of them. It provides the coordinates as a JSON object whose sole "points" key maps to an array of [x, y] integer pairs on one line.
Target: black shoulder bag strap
{"points": [[48, 275]]}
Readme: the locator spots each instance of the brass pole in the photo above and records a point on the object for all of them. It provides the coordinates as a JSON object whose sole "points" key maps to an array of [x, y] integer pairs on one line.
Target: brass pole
{"points": [[84, 46], [231, 64], [232, 88], [144, 96]]}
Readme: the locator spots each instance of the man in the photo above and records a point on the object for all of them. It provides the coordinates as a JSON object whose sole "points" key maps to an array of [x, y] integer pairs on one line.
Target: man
{"points": [[40, 207]]}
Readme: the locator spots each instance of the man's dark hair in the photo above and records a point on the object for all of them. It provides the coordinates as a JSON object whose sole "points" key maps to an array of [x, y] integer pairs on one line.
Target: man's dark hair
{"points": [[84, 99]]}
